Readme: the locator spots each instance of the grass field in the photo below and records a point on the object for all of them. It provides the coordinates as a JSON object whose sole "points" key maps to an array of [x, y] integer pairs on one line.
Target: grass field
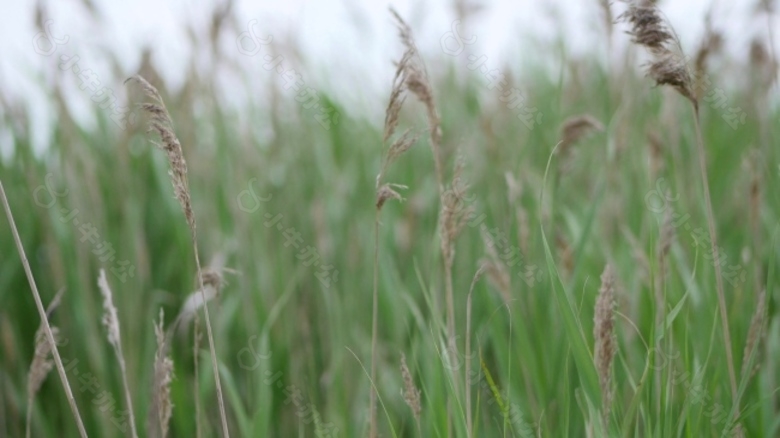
{"points": [[290, 212]]}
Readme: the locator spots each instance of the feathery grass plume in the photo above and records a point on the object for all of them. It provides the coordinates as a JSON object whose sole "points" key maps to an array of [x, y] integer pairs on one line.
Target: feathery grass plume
{"points": [[411, 393], [575, 129], [668, 67], [650, 30], [111, 322], [453, 218], [161, 407], [42, 364], [604, 336], [412, 76], [755, 333], [161, 123], [42, 313]]}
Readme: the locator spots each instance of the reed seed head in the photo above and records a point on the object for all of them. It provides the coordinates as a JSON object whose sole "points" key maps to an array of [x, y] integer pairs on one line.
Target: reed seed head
{"points": [[455, 212], [110, 318], [386, 192], [161, 123], [575, 129], [604, 334], [650, 29], [411, 393], [42, 362]]}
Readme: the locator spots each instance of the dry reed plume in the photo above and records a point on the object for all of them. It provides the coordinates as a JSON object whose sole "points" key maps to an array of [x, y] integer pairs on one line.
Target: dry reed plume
{"points": [[412, 76], [411, 393], [387, 191], [41, 364], [668, 67], [111, 322], [50, 337], [161, 123], [575, 129], [604, 336]]}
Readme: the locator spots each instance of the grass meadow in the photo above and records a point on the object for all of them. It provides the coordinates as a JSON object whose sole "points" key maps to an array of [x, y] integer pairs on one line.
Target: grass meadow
{"points": [[548, 271]]}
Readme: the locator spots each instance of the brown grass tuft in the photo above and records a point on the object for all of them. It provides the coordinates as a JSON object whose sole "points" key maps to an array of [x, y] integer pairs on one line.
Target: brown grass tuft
{"points": [[604, 336]]}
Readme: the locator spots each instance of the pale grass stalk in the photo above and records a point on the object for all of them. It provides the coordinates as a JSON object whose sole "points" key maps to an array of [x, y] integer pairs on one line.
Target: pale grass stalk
{"points": [[724, 317], [163, 375], [195, 348], [111, 321], [374, 319], [162, 123], [469, 421], [42, 312]]}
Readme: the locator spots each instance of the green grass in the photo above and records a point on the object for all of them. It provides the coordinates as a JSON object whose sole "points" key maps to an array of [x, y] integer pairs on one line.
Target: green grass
{"points": [[533, 353]]}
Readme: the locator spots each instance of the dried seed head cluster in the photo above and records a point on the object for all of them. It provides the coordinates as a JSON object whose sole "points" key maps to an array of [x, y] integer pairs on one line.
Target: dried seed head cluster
{"points": [[110, 318], [411, 393], [411, 75], [42, 362], [161, 123], [575, 129], [650, 30], [455, 212], [604, 334]]}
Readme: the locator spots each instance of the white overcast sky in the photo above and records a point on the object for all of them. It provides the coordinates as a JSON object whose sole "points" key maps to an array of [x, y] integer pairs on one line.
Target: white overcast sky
{"points": [[347, 45]]}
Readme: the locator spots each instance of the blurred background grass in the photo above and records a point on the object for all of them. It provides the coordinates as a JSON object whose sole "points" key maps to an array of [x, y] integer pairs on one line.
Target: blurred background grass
{"points": [[275, 321]]}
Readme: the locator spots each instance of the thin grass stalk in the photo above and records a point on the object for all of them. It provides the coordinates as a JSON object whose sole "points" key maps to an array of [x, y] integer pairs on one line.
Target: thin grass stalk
{"points": [[374, 319], [111, 321], [715, 254], [469, 421], [210, 336], [195, 350], [42, 312]]}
